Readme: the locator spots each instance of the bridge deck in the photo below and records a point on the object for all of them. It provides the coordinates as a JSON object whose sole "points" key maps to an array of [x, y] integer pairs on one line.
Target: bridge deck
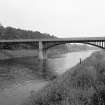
{"points": [[55, 39]]}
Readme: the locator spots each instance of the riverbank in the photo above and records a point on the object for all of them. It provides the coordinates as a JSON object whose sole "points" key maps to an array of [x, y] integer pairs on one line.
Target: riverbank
{"points": [[77, 86]]}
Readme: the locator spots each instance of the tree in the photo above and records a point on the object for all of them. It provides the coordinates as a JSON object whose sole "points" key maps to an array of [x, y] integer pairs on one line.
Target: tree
{"points": [[1, 30]]}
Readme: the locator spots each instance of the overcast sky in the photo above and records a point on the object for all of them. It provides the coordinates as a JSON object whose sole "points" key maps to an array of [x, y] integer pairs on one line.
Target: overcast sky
{"points": [[63, 18]]}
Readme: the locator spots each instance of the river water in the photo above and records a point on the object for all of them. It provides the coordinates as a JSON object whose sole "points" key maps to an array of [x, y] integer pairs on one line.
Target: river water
{"points": [[67, 61], [15, 94]]}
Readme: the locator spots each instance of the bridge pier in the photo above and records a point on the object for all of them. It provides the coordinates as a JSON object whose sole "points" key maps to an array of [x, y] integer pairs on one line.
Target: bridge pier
{"points": [[42, 56], [42, 52]]}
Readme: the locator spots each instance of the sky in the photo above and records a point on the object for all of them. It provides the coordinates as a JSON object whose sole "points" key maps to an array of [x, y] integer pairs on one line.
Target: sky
{"points": [[62, 18]]}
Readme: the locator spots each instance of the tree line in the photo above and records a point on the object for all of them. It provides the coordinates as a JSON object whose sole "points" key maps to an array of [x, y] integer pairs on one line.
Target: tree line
{"points": [[16, 33]]}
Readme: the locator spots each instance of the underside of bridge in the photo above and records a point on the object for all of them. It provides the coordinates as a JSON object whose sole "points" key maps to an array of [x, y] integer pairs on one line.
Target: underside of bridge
{"points": [[44, 46]]}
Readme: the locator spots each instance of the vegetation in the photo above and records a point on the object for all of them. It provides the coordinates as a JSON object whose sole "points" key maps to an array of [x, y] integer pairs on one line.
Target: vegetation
{"points": [[14, 33], [84, 84]]}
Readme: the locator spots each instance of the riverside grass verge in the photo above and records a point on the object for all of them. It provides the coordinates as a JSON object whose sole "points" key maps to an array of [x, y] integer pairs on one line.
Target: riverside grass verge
{"points": [[83, 84]]}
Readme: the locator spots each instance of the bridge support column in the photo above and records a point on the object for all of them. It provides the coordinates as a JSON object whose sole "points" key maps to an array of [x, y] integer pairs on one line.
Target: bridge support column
{"points": [[41, 52], [42, 55]]}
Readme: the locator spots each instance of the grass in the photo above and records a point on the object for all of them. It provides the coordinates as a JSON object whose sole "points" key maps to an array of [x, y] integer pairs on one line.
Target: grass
{"points": [[81, 85]]}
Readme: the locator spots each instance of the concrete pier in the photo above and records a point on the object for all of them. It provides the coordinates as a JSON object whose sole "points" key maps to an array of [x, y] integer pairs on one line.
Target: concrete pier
{"points": [[42, 55]]}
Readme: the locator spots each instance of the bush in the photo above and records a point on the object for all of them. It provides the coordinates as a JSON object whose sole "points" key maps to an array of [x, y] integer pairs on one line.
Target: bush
{"points": [[98, 98]]}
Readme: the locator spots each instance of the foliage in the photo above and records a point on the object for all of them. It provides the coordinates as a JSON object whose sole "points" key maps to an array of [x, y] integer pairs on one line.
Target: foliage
{"points": [[14, 33]]}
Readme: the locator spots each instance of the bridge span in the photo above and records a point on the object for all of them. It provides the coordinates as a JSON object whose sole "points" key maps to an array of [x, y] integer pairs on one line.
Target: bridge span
{"points": [[43, 44]]}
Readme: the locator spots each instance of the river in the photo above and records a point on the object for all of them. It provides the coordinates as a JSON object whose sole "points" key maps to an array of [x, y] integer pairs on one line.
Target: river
{"points": [[67, 61], [15, 94]]}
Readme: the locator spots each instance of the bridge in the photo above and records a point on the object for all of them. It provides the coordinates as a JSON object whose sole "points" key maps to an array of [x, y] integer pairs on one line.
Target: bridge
{"points": [[44, 44]]}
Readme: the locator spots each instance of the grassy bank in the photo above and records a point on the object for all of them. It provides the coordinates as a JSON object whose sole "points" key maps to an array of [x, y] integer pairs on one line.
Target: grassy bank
{"points": [[82, 85]]}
